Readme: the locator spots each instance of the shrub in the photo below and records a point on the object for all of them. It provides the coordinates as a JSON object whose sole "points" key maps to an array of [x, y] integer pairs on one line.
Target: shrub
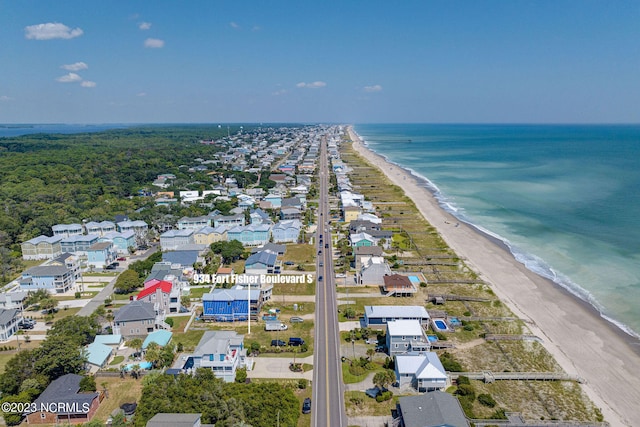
{"points": [[78, 295], [468, 327], [169, 321], [241, 375], [449, 363], [384, 396], [487, 400], [463, 380], [357, 400], [302, 383], [88, 383], [499, 414]]}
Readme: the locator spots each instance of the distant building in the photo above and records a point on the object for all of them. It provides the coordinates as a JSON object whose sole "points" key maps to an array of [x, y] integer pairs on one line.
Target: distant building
{"points": [[55, 279], [67, 230], [101, 254], [42, 247], [173, 239], [9, 319]]}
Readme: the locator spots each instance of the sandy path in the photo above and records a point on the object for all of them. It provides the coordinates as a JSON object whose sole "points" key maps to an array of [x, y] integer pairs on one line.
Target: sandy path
{"points": [[581, 341]]}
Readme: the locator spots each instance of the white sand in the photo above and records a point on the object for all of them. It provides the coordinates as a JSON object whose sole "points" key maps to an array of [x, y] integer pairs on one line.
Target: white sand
{"points": [[582, 342]]}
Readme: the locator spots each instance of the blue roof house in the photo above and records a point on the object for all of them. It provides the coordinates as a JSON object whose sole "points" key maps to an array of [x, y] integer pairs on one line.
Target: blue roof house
{"points": [[160, 337], [98, 354], [229, 305], [261, 263], [121, 241], [286, 231], [250, 235], [276, 201]]}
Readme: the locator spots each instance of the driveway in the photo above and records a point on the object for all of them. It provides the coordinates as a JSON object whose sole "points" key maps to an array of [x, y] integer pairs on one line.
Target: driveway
{"points": [[278, 367]]}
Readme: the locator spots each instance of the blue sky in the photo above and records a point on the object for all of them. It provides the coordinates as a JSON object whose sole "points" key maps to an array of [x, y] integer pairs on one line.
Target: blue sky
{"points": [[309, 61]]}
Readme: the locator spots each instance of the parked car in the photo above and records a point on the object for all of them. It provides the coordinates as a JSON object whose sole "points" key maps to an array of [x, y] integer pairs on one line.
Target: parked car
{"points": [[278, 343], [122, 258], [295, 341], [289, 263], [380, 349], [306, 406], [296, 319]]}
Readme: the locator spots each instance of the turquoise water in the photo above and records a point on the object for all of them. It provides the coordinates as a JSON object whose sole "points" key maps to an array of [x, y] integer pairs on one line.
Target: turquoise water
{"points": [[564, 198], [414, 279], [141, 365]]}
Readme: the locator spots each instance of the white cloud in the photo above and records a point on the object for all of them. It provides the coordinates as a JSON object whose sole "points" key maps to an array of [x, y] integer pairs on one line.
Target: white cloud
{"points": [[374, 88], [5, 98], [313, 85], [279, 92], [144, 25], [87, 83], [69, 78], [75, 67], [51, 30], [234, 25], [153, 43], [141, 94]]}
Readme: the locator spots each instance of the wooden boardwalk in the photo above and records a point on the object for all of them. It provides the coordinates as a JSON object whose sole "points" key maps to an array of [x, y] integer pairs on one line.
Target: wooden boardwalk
{"points": [[490, 377]]}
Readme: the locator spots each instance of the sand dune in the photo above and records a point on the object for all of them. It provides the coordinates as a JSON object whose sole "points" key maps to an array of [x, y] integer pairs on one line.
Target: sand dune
{"points": [[582, 342]]}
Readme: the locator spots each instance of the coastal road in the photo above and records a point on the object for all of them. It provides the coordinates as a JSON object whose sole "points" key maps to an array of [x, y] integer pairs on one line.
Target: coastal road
{"points": [[328, 389]]}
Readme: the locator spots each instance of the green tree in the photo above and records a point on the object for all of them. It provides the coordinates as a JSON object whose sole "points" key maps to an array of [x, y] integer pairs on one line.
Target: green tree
{"points": [[88, 383], [81, 330], [383, 378], [229, 251], [128, 281], [58, 356]]}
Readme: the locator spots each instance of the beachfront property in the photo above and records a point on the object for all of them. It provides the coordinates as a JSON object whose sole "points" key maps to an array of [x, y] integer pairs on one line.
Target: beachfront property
{"points": [[433, 409], [362, 239], [423, 372], [41, 247], [78, 407], [230, 305], [399, 286], [286, 231], [250, 235], [350, 213], [101, 254], [221, 351], [376, 315], [9, 319], [173, 239], [358, 225], [404, 336], [66, 230], [365, 252], [373, 271], [54, 278]]}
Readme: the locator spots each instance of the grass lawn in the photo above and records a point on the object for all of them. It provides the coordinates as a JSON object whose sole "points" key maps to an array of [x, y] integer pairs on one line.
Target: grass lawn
{"points": [[179, 322], [300, 253], [116, 360], [358, 403], [294, 288], [5, 356], [189, 339], [119, 391], [198, 292]]}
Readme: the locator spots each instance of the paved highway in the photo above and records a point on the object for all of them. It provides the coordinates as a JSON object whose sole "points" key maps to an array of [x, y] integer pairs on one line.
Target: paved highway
{"points": [[328, 389]]}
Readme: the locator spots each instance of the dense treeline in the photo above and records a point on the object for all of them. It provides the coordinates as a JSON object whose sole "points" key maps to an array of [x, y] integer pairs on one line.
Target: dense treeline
{"points": [[225, 404]]}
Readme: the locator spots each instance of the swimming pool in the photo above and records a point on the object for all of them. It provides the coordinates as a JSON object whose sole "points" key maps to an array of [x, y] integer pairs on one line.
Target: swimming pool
{"points": [[414, 279], [432, 338], [142, 365], [440, 325]]}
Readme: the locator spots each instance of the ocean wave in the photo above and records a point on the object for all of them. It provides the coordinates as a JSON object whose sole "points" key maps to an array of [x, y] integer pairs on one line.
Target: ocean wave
{"points": [[532, 262]]}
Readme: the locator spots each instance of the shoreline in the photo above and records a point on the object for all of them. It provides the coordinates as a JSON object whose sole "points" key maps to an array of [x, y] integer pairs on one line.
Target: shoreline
{"points": [[582, 341]]}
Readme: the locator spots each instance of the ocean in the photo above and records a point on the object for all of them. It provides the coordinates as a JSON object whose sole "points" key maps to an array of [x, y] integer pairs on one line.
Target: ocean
{"points": [[8, 130], [565, 199]]}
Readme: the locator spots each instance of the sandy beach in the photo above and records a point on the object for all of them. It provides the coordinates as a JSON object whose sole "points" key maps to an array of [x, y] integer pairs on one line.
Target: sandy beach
{"points": [[582, 342]]}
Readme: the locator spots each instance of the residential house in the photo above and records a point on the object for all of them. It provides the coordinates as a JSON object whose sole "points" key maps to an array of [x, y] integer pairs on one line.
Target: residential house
{"points": [[101, 254], [98, 354], [350, 213], [209, 235], [375, 315], [273, 247], [258, 216], [404, 336], [424, 372], [42, 247], [358, 225], [245, 201], [67, 230], [159, 337], [286, 231], [138, 227], [364, 252], [136, 319], [290, 213], [229, 305], [100, 228], [53, 278], [221, 351], [194, 223], [369, 217], [183, 259], [122, 241], [362, 239], [173, 239], [274, 199], [69, 260], [14, 299], [294, 202], [163, 295], [264, 262], [228, 221], [78, 244], [250, 235], [399, 286], [434, 409], [67, 403], [9, 319], [373, 271]]}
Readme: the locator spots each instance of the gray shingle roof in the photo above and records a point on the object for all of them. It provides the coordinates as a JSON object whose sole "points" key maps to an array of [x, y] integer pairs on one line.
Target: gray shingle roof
{"points": [[433, 409], [134, 311], [65, 390]]}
